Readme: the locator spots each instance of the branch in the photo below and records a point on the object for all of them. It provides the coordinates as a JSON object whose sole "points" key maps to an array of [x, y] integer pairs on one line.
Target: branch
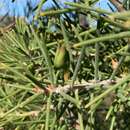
{"points": [[118, 5], [84, 86], [7, 28]]}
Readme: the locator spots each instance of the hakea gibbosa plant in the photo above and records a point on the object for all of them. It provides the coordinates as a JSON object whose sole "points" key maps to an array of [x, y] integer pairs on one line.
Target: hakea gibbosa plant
{"points": [[59, 73]]}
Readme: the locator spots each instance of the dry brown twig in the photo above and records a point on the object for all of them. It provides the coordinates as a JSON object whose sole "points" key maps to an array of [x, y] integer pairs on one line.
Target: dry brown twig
{"points": [[118, 5]]}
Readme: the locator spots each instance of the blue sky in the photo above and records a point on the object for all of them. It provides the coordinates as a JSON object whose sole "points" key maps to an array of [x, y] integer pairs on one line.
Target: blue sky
{"points": [[19, 7]]}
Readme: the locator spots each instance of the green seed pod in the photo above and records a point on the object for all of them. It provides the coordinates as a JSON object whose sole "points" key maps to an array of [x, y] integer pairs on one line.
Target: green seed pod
{"points": [[60, 57]]}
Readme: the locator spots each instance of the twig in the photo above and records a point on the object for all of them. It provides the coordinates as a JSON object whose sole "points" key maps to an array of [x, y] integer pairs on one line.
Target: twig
{"points": [[7, 28], [118, 5], [104, 84], [88, 85]]}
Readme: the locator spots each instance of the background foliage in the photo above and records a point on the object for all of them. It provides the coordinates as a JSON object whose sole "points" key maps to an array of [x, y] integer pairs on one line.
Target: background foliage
{"points": [[57, 75]]}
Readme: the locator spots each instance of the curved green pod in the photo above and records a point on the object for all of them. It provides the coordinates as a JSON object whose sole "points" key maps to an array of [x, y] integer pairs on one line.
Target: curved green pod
{"points": [[60, 57]]}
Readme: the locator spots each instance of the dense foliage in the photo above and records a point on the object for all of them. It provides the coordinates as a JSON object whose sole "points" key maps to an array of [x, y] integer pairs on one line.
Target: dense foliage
{"points": [[58, 75]]}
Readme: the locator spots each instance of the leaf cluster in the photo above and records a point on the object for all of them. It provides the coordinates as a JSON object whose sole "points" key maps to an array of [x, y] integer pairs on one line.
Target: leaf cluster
{"points": [[37, 59]]}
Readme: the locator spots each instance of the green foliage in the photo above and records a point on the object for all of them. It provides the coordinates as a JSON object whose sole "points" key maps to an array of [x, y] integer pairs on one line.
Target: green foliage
{"points": [[94, 73]]}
